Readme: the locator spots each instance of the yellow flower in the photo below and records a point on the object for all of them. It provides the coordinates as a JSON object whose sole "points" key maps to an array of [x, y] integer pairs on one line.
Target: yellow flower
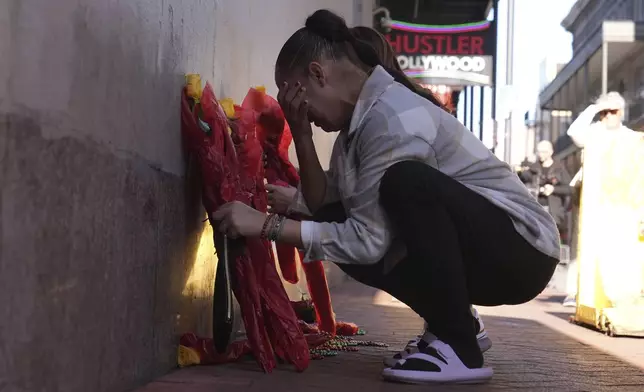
{"points": [[229, 107], [261, 89], [193, 86]]}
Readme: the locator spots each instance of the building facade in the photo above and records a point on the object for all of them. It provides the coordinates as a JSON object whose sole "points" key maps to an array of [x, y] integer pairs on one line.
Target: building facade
{"points": [[608, 55], [550, 122]]}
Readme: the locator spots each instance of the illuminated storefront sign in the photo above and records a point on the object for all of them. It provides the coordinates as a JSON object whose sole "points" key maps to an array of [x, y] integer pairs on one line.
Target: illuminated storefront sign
{"points": [[449, 55]]}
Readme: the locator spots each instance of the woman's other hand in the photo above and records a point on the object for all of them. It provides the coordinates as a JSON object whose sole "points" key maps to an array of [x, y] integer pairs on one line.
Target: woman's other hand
{"points": [[280, 198], [236, 219], [292, 100]]}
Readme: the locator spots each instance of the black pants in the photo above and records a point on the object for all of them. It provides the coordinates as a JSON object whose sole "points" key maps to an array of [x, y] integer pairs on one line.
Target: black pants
{"points": [[461, 249]]}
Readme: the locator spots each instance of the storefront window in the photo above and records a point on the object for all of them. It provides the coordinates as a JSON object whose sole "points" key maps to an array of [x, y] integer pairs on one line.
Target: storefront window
{"points": [[638, 11], [640, 83]]}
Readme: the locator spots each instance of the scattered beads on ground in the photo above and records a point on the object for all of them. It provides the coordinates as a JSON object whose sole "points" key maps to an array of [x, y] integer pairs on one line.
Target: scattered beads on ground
{"points": [[342, 343]]}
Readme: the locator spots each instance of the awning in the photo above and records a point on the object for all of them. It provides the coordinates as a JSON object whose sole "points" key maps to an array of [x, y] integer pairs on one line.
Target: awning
{"points": [[438, 12], [571, 84], [456, 79]]}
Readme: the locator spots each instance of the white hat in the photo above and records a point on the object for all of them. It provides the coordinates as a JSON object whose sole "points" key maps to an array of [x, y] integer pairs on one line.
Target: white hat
{"points": [[611, 101]]}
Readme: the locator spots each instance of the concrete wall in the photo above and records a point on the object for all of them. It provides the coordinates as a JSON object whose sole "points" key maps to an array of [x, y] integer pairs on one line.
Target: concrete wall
{"points": [[103, 256]]}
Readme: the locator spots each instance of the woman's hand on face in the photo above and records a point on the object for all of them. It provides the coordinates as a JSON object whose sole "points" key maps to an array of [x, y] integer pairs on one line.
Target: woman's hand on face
{"points": [[292, 100], [280, 198], [236, 219]]}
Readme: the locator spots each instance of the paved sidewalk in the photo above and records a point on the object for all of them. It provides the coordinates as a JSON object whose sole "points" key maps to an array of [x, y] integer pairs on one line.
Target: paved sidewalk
{"points": [[535, 349]]}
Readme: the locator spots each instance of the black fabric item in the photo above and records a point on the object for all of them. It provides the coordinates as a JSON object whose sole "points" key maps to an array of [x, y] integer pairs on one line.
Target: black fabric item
{"points": [[222, 325], [462, 250], [477, 326], [422, 344]]}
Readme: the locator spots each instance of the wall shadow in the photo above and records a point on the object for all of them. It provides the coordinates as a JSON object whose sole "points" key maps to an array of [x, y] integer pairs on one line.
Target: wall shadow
{"points": [[102, 241], [552, 298]]}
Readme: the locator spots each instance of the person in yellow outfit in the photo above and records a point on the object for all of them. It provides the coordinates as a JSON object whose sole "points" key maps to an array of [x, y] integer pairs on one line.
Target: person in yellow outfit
{"points": [[609, 109]]}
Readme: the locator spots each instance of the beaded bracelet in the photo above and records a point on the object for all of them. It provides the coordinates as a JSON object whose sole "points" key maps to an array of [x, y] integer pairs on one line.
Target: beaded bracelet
{"points": [[280, 228], [271, 230], [276, 228], [268, 225]]}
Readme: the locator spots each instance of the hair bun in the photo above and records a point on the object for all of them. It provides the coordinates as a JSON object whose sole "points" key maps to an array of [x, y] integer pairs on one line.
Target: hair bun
{"points": [[329, 26]]}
